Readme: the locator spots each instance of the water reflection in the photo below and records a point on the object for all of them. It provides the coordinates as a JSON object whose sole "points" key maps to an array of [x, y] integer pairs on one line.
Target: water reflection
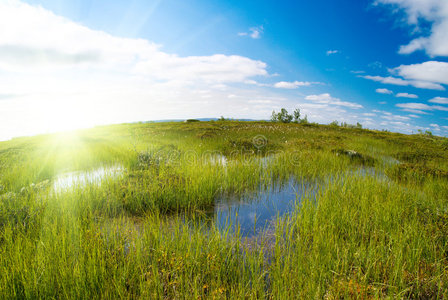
{"points": [[82, 178], [254, 213]]}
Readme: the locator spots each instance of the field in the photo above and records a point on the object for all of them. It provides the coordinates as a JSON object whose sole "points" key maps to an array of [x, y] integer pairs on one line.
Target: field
{"points": [[370, 222]]}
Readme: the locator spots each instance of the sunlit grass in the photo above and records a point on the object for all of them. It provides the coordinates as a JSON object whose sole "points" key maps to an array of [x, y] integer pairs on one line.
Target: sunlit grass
{"points": [[147, 233]]}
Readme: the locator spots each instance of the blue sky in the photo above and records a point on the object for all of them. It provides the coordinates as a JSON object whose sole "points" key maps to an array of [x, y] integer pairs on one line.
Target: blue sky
{"points": [[74, 64]]}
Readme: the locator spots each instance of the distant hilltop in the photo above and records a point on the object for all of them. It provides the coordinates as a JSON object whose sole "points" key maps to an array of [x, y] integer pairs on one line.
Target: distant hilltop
{"points": [[197, 119]]}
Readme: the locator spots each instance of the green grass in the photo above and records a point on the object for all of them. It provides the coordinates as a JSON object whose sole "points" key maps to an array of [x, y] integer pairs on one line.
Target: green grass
{"points": [[148, 234]]}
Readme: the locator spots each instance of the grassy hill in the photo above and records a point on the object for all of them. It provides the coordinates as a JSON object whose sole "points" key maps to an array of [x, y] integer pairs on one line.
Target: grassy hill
{"points": [[376, 225]]}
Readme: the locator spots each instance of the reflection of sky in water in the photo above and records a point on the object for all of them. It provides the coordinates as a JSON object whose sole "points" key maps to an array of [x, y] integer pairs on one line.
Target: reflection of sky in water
{"points": [[79, 179], [255, 212]]}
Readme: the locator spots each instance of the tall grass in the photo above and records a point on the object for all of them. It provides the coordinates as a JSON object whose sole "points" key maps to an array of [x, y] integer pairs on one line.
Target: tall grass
{"points": [[147, 234]]}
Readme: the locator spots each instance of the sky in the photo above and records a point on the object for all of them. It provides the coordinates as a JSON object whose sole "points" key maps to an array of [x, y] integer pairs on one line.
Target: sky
{"points": [[75, 64]]}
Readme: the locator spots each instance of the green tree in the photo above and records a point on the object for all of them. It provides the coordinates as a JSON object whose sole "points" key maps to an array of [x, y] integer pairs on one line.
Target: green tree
{"points": [[296, 115], [274, 116], [281, 116], [304, 120]]}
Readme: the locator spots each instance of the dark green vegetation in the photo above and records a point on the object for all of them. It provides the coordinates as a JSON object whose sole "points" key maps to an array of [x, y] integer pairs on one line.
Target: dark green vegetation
{"points": [[284, 117], [145, 233]]}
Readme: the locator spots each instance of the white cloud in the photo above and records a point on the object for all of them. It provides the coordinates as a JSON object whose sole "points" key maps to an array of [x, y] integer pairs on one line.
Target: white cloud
{"points": [[64, 75], [439, 100], [414, 45], [71, 76], [41, 40], [420, 107], [435, 126], [430, 71], [427, 75], [291, 85], [402, 82], [212, 69], [254, 32], [416, 111], [433, 11], [327, 99], [426, 85], [384, 91], [406, 95], [331, 52], [391, 117], [386, 80]]}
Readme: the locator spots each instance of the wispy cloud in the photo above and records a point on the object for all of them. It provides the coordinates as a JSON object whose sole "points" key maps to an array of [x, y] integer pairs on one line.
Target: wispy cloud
{"points": [[331, 52], [434, 12], [435, 126], [420, 107], [386, 80], [384, 91], [434, 72], [406, 95], [254, 32], [402, 82], [291, 85], [328, 99], [392, 117], [439, 100]]}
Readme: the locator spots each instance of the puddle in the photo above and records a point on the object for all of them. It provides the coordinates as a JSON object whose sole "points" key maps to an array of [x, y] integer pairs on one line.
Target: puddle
{"points": [[82, 178], [254, 213], [369, 171]]}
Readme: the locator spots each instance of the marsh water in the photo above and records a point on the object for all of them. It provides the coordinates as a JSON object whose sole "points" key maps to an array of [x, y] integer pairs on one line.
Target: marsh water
{"points": [[250, 213], [256, 212], [83, 178]]}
